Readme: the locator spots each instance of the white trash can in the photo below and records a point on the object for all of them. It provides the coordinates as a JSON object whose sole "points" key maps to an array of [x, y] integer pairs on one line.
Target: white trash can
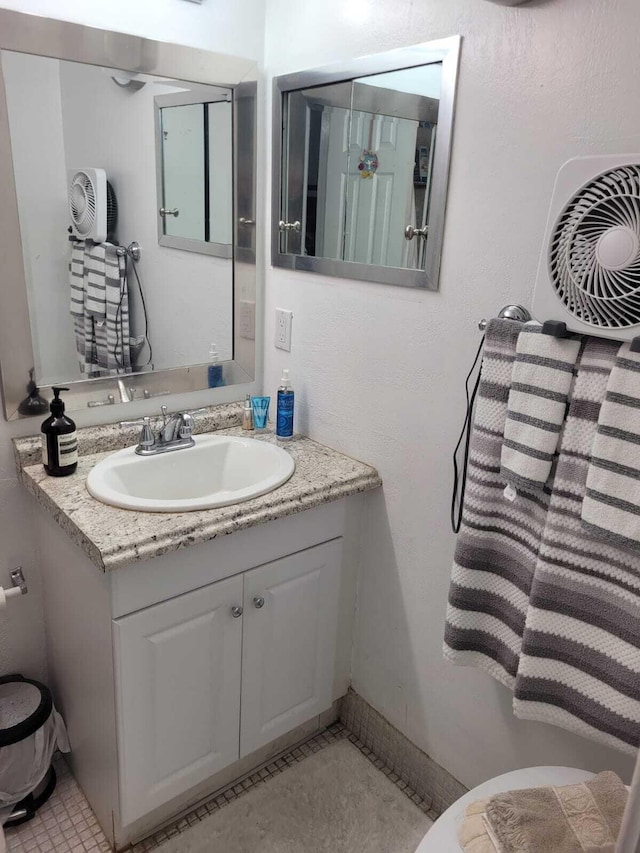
{"points": [[30, 732]]}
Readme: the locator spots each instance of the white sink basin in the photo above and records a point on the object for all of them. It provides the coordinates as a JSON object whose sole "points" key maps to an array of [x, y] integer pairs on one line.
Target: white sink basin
{"points": [[218, 471]]}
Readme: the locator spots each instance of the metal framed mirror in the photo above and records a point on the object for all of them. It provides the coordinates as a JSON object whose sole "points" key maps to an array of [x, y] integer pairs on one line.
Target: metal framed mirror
{"points": [[35, 252], [361, 164]]}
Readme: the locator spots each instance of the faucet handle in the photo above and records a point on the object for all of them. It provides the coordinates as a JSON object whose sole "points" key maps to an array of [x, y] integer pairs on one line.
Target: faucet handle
{"points": [[147, 438]]}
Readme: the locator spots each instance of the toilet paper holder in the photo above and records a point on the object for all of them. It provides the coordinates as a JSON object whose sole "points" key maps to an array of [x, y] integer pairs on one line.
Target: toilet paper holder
{"points": [[19, 583]]}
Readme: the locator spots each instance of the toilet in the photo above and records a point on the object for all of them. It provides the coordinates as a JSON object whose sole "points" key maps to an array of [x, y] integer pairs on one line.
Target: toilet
{"points": [[443, 835]]}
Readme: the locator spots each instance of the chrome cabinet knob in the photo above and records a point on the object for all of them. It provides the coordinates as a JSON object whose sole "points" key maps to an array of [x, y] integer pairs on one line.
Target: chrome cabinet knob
{"points": [[244, 221], [166, 211], [258, 602], [289, 226], [410, 232], [236, 611]]}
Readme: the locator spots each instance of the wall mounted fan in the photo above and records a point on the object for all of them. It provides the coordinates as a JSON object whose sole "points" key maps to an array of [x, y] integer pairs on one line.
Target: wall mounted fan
{"points": [[92, 205], [589, 272]]}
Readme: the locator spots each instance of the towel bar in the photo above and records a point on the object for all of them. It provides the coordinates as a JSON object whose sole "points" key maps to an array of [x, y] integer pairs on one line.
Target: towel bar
{"points": [[509, 312]]}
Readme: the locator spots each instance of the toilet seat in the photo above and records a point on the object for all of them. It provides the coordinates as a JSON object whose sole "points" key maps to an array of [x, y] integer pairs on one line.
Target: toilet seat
{"points": [[443, 835]]}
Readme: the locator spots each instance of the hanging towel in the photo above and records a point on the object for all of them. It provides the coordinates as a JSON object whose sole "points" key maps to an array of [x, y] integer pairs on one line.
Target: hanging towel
{"points": [[580, 818], [580, 662], [497, 547], [82, 322], [611, 508], [107, 302], [540, 384]]}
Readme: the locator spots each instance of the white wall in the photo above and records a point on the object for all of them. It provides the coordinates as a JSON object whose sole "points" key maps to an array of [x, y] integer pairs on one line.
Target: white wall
{"points": [[237, 28], [379, 370]]}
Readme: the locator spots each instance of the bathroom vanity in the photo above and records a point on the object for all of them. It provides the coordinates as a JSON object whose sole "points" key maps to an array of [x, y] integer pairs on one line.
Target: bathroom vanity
{"points": [[186, 649]]}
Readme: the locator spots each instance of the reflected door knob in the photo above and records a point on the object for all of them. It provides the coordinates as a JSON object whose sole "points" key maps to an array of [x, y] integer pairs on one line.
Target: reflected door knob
{"points": [[410, 232], [244, 221], [258, 601], [165, 211], [289, 226], [236, 612]]}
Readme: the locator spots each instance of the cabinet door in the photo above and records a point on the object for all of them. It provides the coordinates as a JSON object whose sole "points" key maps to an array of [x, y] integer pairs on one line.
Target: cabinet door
{"points": [[289, 642], [178, 694]]}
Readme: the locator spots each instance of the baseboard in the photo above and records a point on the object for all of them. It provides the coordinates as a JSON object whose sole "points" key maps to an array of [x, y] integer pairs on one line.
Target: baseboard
{"points": [[431, 782]]}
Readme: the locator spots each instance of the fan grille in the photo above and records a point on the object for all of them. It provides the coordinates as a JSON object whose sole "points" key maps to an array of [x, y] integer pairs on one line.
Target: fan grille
{"points": [[594, 254], [82, 203]]}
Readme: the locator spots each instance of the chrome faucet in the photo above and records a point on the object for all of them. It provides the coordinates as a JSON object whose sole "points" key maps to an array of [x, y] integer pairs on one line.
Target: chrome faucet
{"points": [[175, 433]]}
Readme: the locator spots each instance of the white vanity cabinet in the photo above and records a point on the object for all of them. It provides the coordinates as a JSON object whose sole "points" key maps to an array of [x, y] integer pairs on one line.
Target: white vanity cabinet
{"points": [[177, 694], [179, 674], [258, 647]]}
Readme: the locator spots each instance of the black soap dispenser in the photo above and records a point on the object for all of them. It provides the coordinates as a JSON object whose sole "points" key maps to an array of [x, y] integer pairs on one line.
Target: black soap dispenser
{"points": [[59, 440]]}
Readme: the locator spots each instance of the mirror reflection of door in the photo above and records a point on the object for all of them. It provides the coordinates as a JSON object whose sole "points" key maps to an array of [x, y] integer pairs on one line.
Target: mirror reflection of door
{"points": [[184, 136], [196, 185], [358, 168]]}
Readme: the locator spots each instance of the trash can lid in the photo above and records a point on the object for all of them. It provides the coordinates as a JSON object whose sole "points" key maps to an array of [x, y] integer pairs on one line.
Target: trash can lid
{"points": [[25, 706]]}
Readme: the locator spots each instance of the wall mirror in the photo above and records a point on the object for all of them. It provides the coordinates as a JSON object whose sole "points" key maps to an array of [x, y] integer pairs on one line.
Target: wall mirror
{"points": [[124, 240], [361, 160], [194, 168]]}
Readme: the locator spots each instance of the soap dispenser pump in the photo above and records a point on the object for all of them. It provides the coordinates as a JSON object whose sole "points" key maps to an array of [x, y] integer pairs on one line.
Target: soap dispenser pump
{"points": [[59, 440]]}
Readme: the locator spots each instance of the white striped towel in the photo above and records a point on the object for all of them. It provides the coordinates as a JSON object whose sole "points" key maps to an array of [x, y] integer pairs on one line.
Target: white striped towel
{"points": [[497, 547], [611, 508], [82, 322], [580, 661], [540, 385], [105, 271]]}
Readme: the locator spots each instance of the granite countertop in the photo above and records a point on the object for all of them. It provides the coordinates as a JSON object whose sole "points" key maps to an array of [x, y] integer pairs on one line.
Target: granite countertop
{"points": [[113, 538]]}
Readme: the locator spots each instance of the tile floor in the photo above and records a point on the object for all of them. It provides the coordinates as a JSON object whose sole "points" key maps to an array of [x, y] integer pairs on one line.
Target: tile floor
{"points": [[66, 823]]}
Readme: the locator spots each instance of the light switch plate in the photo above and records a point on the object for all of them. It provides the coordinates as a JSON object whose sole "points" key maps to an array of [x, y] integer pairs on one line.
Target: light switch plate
{"points": [[248, 319], [283, 329]]}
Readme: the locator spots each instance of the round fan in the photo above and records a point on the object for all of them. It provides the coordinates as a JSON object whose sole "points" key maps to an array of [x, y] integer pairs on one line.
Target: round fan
{"points": [[88, 204], [594, 250]]}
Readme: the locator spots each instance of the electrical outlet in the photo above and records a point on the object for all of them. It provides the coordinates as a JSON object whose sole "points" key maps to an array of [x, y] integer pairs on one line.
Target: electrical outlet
{"points": [[283, 329], [248, 319]]}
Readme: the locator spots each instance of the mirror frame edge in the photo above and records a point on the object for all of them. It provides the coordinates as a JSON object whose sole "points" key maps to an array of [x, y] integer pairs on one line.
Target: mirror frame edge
{"points": [[34, 34], [445, 50]]}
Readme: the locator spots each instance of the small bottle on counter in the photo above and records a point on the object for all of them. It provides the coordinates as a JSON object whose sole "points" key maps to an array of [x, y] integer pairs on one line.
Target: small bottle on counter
{"points": [[215, 377], [247, 414], [284, 416], [59, 440]]}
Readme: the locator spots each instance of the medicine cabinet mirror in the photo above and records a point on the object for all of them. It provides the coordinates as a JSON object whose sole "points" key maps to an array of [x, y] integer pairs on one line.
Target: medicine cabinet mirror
{"points": [[361, 162], [127, 228]]}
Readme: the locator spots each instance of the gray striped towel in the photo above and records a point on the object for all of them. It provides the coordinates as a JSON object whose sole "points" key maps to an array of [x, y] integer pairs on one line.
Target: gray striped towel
{"points": [[82, 322], [100, 308], [542, 377], [498, 543], [107, 301], [95, 288], [611, 508], [580, 662]]}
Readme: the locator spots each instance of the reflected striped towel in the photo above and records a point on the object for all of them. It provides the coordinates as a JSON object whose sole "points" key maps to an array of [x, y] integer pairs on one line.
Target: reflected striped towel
{"points": [[497, 546], [542, 377], [82, 322], [611, 508], [107, 301], [580, 662]]}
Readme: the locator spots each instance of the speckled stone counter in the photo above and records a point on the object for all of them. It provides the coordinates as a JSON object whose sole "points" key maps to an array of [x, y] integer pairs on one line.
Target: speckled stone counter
{"points": [[113, 538]]}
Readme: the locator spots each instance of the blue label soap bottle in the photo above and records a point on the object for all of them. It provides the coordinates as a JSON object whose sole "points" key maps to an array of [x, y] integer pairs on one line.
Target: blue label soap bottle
{"points": [[284, 419]]}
